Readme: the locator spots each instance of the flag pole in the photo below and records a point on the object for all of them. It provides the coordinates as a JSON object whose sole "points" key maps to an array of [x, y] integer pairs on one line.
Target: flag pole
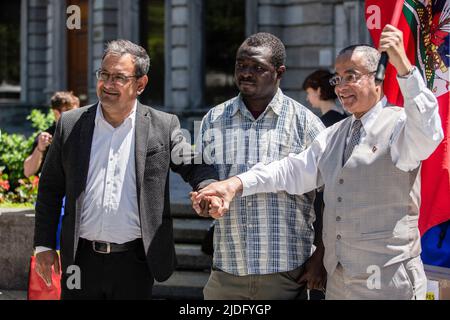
{"points": [[381, 70]]}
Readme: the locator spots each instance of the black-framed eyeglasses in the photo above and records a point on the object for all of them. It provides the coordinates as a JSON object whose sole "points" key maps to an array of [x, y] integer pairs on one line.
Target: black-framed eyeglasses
{"points": [[348, 78], [120, 79]]}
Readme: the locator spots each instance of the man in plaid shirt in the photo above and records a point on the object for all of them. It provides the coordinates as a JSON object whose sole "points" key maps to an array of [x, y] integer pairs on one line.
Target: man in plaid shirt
{"points": [[262, 247]]}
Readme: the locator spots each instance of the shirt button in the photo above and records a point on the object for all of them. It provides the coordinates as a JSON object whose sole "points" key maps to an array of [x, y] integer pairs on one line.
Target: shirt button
{"points": [[338, 219], [339, 199], [338, 237], [341, 181]]}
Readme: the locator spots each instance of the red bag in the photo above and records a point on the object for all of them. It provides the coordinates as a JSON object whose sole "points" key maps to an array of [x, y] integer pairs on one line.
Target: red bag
{"points": [[38, 290]]}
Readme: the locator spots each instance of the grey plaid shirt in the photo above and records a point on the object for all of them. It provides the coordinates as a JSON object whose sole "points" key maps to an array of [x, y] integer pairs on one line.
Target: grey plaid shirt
{"points": [[263, 233]]}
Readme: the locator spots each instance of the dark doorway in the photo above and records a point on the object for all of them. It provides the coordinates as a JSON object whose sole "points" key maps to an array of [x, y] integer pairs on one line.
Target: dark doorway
{"points": [[152, 39], [77, 54], [224, 32], [10, 51]]}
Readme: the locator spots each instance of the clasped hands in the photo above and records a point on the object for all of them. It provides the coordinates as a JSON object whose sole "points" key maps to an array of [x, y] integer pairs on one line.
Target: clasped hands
{"points": [[214, 200]]}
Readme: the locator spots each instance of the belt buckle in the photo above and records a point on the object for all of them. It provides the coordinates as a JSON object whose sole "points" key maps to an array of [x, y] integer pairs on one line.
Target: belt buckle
{"points": [[108, 247]]}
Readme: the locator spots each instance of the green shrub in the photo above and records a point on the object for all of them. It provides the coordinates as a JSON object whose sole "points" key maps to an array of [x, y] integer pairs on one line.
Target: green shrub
{"points": [[41, 121], [14, 149]]}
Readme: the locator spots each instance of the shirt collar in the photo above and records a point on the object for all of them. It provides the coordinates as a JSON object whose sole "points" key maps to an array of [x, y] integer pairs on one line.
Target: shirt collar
{"points": [[370, 116], [130, 119], [275, 104]]}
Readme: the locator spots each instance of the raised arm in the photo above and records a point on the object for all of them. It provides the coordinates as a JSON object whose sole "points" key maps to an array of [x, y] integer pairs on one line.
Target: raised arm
{"points": [[420, 132]]}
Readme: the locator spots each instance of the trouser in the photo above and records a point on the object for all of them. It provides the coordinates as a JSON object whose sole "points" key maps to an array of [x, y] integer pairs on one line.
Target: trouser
{"points": [[113, 276], [401, 281], [275, 286]]}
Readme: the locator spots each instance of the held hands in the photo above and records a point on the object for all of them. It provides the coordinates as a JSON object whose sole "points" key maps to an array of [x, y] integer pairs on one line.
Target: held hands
{"points": [[391, 42], [44, 262], [205, 205], [214, 200]]}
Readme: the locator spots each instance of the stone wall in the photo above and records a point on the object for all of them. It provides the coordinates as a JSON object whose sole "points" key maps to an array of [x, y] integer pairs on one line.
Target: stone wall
{"points": [[313, 32], [184, 55], [16, 247], [13, 118], [33, 51]]}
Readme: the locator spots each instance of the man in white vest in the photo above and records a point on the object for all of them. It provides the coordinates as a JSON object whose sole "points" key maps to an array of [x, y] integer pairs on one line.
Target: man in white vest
{"points": [[369, 164]]}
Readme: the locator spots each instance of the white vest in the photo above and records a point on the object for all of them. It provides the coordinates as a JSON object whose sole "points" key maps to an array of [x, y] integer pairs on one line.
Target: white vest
{"points": [[371, 206]]}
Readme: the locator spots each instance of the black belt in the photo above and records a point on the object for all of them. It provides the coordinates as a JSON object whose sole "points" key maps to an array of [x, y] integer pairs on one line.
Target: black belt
{"points": [[108, 247]]}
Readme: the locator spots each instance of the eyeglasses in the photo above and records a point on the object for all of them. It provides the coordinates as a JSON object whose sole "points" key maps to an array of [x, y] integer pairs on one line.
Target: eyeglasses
{"points": [[348, 78], [115, 78]]}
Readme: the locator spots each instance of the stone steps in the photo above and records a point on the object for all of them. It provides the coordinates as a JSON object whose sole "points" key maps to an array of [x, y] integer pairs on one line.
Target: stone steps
{"points": [[190, 230], [181, 285], [193, 266], [191, 257], [182, 210]]}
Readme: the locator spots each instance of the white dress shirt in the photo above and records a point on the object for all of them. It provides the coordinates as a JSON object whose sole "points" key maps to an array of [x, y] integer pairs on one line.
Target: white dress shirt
{"points": [[422, 132], [110, 209]]}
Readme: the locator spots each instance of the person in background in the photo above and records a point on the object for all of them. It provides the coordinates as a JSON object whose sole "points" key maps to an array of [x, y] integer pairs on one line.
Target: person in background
{"points": [[321, 95], [60, 102]]}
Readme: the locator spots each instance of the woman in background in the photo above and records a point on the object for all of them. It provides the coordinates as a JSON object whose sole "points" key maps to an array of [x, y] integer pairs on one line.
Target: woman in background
{"points": [[320, 94]]}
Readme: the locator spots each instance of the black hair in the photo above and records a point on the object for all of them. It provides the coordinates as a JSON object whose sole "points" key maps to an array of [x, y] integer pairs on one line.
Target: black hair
{"points": [[268, 40], [320, 79], [370, 53]]}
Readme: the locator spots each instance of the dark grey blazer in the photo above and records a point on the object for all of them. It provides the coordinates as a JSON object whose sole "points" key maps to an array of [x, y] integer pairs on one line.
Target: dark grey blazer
{"points": [[65, 171]]}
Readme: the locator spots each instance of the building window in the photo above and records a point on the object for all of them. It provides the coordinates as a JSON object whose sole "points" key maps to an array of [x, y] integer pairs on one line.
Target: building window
{"points": [[224, 32], [152, 39], [10, 50]]}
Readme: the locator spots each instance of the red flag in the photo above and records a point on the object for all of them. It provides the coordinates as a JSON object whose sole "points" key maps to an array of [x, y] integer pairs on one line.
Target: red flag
{"points": [[425, 25]]}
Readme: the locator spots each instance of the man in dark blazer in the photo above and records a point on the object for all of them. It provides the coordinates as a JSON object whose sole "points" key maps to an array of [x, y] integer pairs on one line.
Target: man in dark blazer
{"points": [[111, 161]]}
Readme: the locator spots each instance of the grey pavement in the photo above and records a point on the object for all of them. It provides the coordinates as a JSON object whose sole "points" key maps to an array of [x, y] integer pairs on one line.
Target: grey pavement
{"points": [[13, 295]]}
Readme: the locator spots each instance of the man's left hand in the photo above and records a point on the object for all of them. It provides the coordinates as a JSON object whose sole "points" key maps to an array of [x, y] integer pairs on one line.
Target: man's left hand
{"points": [[315, 274]]}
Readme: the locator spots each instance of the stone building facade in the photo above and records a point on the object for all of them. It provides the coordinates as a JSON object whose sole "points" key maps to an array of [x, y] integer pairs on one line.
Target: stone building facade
{"points": [[53, 58]]}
